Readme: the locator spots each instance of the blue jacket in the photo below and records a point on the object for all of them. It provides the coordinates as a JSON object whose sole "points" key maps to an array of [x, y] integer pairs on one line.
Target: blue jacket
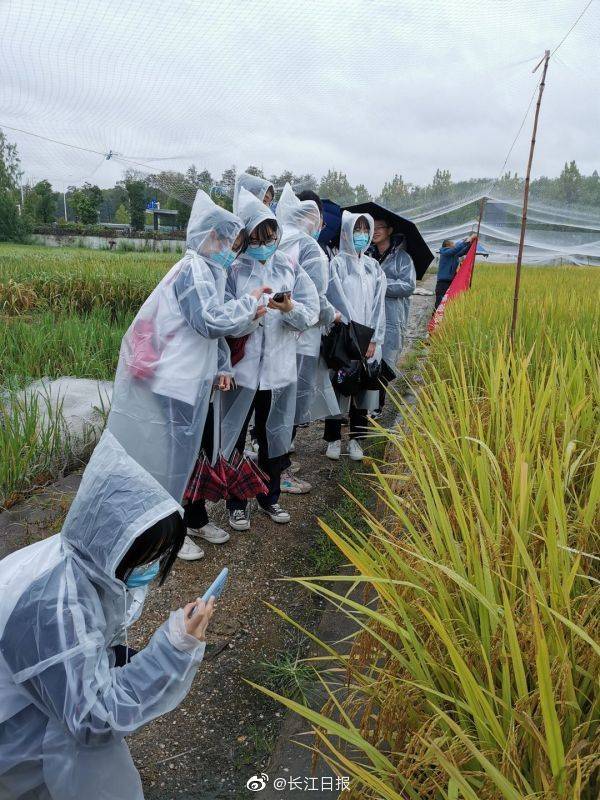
{"points": [[449, 257]]}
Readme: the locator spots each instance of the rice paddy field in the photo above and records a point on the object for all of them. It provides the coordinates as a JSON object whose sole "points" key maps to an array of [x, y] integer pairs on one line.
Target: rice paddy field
{"points": [[63, 312], [474, 672]]}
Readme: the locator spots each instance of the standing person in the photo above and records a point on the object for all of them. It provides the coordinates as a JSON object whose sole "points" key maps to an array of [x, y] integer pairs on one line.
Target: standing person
{"points": [[265, 376], [450, 255], [401, 279], [70, 692], [259, 187], [356, 289], [301, 222], [169, 360]]}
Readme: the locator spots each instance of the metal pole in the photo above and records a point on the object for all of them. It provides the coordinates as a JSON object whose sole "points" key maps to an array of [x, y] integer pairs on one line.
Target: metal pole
{"points": [[513, 323], [65, 204], [479, 218]]}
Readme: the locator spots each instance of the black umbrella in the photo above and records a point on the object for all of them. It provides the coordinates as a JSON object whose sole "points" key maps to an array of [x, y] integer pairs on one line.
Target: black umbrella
{"points": [[416, 246]]}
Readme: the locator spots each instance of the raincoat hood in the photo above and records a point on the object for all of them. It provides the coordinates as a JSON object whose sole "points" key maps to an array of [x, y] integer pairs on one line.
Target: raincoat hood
{"points": [[253, 184], [116, 502], [297, 216], [210, 227], [346, 241], [252, 212]]}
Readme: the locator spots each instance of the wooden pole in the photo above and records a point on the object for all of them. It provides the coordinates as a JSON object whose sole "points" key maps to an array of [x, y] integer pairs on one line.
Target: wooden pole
{"points": [[479, 218], [513, 323]]}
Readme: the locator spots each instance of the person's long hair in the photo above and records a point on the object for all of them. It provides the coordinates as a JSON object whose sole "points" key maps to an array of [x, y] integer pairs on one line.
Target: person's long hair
{"points": [[161, 542]]}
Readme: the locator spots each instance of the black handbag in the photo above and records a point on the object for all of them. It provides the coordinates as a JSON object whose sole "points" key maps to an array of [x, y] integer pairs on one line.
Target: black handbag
{"points": [[387, 373], [372, 375], [349, 380], [345, 343]]}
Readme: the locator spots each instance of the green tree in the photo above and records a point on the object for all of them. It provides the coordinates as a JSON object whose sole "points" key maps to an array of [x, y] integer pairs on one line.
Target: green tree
{"points": [[86, 201], [569, 183], [10, 165], [441, 183], [137, 191], [13, 226], [122, 215], [395, 193], [40, 203], [362, 194], [335, 186], [251, 170]]}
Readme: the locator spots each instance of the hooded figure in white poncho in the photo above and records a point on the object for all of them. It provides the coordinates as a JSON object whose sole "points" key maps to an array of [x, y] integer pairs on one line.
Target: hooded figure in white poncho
{"points": [[65, 708], [356, 289], [170, 356], [265, 376], [259, 187], [301, 223]]}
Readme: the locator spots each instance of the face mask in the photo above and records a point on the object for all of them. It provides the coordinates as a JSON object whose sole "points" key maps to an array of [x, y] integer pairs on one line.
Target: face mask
{"points": [[224, 257], [261, 252], [316, 234], [361, 240], [142, 576]]}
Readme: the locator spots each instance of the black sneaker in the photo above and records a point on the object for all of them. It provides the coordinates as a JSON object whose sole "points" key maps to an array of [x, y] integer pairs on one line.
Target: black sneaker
{"points": [[277, 513]]}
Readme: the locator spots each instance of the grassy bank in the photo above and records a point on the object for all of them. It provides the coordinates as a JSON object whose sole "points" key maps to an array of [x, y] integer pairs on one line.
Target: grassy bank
{"points": [[475, 673]]}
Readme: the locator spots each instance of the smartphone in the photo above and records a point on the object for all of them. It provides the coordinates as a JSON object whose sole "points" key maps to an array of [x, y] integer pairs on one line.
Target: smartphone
{"points": [[217, 586], [280, 296]]}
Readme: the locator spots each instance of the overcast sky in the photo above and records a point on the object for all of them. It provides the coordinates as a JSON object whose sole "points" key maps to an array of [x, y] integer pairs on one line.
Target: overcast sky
{"points": [[370, 87]]}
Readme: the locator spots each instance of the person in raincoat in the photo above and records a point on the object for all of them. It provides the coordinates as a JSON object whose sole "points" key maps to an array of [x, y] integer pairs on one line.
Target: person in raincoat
{"points": [[265, 375], [259, 187], [388, 250], [301, 223], [356, 289], [66, 702], [169, 357]]}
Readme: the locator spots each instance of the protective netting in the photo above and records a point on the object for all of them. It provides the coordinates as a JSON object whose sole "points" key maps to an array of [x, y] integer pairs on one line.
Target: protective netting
{"points": [[371, 91]]}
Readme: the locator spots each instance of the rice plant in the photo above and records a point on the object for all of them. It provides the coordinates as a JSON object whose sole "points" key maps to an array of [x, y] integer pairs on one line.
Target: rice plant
{"points": [[474, 672]]}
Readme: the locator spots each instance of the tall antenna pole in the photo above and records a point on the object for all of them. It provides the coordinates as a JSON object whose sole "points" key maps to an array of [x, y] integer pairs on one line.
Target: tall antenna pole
{"points": [[513, 323], [479, 218]]}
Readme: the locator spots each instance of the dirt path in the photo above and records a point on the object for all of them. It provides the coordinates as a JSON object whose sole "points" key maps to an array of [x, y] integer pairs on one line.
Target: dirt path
{"points": [[225, 731]]}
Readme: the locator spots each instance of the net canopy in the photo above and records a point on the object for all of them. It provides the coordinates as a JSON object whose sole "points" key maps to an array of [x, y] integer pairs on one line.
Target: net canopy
{"points": [[365, 99]]}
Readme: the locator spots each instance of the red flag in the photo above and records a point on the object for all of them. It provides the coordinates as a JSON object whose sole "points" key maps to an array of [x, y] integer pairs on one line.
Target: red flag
{"points": [[460, 282]]}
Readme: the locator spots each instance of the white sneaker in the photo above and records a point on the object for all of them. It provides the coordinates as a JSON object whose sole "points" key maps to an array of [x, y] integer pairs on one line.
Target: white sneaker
{"points": [[355, 451], [190, 551], [293, 485], [212, 533], [334, 450], [239, 520], [277, 513]]}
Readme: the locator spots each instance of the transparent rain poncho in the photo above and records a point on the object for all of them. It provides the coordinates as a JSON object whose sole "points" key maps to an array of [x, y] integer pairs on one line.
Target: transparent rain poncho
{"points": [[356, 289], [401, 280], [253, 184], [299, 220], [170, 355], [269, 360], [64, 707]]}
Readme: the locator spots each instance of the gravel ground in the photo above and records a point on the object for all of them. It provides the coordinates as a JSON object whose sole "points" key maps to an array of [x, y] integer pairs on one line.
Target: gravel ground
{"points": [[225, 731]]}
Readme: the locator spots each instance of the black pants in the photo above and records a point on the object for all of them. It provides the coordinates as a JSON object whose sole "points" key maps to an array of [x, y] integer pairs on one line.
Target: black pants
{"points": [[194, 514], [261, 405], [382, 391], [441, 288], [359, 423]]}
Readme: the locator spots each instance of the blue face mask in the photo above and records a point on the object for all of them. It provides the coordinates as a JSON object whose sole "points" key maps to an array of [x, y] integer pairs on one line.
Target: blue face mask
{"points": [[316, 234], [361, 240], [142, 576], [261, 252], [224, 257]]}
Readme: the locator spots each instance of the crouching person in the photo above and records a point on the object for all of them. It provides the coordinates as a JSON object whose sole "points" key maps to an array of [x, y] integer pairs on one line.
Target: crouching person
{"points": [[66, 704], [265, 374]]}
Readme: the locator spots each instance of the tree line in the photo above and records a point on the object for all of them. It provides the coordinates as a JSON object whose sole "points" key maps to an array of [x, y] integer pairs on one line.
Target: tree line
{"points": [[24, 207]]}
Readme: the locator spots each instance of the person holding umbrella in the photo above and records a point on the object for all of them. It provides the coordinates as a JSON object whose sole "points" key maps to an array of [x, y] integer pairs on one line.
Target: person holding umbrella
{"points": [[388, 248]]}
